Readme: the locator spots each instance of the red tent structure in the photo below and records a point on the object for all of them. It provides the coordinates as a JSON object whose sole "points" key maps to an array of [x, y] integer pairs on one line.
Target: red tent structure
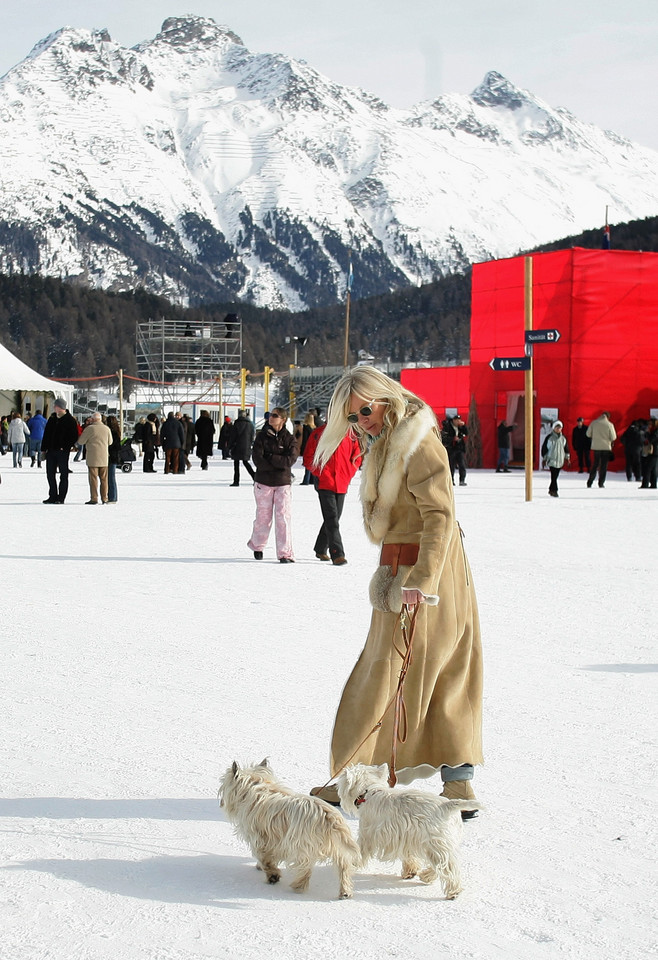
{"points": [[604, 304]]}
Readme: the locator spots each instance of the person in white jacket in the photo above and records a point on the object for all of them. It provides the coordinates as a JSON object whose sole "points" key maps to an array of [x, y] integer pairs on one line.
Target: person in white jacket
{"points": [[555, 453], [17, 435]]}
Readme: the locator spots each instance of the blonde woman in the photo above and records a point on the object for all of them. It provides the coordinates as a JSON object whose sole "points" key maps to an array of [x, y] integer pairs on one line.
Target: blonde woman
{"points": [[408, 510]]}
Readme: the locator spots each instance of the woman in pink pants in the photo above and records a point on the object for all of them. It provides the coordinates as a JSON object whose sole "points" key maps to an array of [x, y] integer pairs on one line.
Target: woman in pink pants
{"points": [[275, 450]]}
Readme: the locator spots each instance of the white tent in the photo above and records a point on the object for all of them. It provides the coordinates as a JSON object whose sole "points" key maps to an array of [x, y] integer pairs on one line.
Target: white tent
{"points": [[37, 391]]}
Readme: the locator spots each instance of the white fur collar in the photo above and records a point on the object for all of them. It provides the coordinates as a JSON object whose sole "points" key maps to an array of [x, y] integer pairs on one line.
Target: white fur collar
{"points": [[384, 468]]}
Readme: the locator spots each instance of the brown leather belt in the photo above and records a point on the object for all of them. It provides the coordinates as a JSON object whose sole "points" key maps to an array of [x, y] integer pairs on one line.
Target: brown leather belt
{"points": [[394, 555]]}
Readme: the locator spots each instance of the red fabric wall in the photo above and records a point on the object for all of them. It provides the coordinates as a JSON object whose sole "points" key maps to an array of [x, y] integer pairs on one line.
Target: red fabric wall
{"points": [[441, 387], [605, 305]]}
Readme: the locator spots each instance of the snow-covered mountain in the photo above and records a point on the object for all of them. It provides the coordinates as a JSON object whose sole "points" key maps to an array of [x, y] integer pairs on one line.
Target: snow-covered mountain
{"points": [[193, 168]]}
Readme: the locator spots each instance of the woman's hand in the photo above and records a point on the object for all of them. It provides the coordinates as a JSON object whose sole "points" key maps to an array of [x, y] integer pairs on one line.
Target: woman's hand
{"points": [[412, 597]]}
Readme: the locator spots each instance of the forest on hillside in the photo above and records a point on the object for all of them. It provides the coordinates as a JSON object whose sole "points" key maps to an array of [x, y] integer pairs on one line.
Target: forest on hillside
{"points": [[65, 330]]}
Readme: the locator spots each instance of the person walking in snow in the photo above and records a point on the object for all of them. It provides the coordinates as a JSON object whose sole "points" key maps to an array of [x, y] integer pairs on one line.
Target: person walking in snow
{"points": [[331, 484], [602, 434], [204, 430], [409, 512], [581, 443], [242, 439], [17, 435], [275, 451], [37, 425], [503, 434], [555, 453], [172, 438], [60, 435], [454, 433]]}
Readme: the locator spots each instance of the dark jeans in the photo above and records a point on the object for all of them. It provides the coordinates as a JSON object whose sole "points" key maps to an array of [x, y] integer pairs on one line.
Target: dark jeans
{"points": [[149, 457], [649, 472], [112, 494], [583, 460], [457, 460], [57, 460], [236, 470], [599, 466], [555, 473], [329, 538], [634, 464]]}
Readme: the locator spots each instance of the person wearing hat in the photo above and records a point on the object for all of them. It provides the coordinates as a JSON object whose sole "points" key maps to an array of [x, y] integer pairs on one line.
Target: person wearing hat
{"points": [[453, 435], [59, 435], [555, 453]]}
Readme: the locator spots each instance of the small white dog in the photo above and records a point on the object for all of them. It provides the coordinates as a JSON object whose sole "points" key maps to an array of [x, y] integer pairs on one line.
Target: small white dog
{"points": [[420, 829], [282, 826]]}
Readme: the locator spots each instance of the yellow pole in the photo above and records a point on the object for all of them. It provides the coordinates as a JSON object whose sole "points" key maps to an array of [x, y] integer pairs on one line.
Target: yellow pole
{"points": [[243, 387], [266, 388], [529, 387]]}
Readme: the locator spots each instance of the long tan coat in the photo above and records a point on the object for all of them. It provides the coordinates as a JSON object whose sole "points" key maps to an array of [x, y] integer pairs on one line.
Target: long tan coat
{"points": [[407, 497]]}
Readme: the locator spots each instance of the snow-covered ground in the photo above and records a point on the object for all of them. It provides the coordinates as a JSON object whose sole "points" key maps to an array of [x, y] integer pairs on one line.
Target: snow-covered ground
{"points": [[144, 649]]}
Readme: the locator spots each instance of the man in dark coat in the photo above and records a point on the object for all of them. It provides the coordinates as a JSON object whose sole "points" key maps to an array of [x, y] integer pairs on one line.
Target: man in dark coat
{"points": [[632, 439], [242, 440], [172, 438], [59, 435], [224, 442], [148, 440], [453, 435], [581, 443], [204, 430]]}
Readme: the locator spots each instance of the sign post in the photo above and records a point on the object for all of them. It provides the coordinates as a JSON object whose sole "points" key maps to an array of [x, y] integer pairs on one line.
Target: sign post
{"points": [[525, 363]]}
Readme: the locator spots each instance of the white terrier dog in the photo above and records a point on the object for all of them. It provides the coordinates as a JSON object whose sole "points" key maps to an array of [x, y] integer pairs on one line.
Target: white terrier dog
{"points": [[282, 826], [420, 829]]}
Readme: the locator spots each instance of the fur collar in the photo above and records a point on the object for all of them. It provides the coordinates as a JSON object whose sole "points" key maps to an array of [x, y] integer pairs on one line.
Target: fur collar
{"points": [[384, 468]]}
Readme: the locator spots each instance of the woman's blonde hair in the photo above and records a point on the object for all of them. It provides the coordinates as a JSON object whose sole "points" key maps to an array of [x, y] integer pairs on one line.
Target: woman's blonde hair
{"points": [[368, 384], [309, 420]]}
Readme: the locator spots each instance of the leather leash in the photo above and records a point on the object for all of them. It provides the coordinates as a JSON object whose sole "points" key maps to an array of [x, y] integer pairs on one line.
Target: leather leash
{"points": [[407, 621]]}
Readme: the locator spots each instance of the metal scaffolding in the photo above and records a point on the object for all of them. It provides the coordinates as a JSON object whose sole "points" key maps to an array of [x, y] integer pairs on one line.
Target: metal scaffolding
{"points": [[174, 357]]}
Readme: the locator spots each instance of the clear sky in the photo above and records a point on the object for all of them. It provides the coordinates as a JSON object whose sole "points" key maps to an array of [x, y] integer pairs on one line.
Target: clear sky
{"points": [[598, 58]]}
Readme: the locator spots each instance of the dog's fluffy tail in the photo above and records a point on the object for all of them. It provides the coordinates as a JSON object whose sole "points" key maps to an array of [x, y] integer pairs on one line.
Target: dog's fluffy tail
{"points": [[349, 847]]}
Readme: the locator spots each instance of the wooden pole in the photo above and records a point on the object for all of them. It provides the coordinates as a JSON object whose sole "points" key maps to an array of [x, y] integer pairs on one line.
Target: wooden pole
{"points": [[529, 386]]}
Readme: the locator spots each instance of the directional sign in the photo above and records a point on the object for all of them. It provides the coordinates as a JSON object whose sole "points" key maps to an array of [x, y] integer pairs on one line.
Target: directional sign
{"points": [[542, 336], [510, 363]]}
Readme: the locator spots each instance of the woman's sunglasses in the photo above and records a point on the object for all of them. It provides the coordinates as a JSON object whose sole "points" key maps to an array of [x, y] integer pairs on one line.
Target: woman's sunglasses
{"points": [[364, 412]]}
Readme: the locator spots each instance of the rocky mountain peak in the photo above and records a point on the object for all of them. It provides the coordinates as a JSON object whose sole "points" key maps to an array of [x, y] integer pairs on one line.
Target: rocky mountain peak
{"points": [[496, 91], [184, 32]]}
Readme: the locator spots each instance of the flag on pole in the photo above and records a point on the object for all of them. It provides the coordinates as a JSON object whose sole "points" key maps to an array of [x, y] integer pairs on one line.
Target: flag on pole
{"points": [[350, 278], [605, 242]]}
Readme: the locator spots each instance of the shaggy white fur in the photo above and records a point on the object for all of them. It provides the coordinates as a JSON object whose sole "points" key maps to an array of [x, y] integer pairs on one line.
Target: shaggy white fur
{"points": [[420, 829], [282, 826], [380, 482]]}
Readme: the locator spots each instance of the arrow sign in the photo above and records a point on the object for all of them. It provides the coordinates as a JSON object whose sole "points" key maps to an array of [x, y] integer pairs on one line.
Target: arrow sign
{"points": [[542, 336], [510, 363]]}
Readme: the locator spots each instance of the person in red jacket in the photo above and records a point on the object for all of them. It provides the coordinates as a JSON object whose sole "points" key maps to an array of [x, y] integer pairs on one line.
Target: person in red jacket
{"points": [[331, 483]]}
